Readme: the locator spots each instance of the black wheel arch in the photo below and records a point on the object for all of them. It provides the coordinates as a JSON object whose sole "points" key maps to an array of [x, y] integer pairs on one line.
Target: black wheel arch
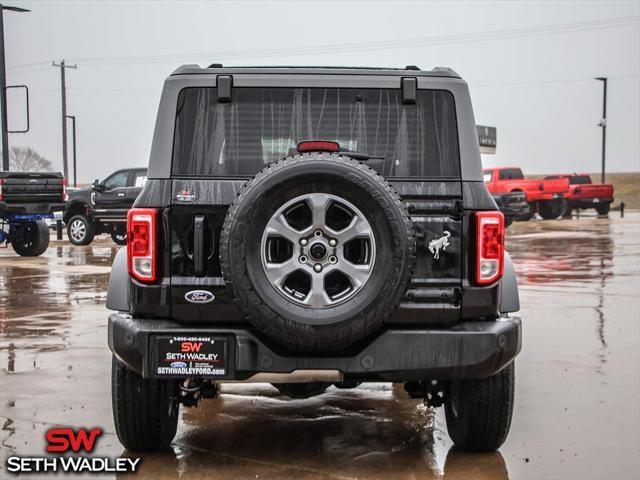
{"points": [[76, 207]]}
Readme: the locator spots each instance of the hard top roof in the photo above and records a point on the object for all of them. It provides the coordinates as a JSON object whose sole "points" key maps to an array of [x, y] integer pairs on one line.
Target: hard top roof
{"points": [[409, 70]]}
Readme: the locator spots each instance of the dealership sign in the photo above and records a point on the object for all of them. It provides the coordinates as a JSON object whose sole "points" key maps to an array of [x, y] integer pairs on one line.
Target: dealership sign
{"points": [[487, 137], [66, 441]]}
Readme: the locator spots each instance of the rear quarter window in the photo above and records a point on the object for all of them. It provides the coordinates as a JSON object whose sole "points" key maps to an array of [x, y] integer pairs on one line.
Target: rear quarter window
{"points": [[511, 174], [262, 125], [579, 180]]}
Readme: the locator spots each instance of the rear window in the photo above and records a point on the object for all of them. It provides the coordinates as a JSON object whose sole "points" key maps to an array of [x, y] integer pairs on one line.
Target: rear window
{"points": [[511, 174], [262, 125], [579, 180]]}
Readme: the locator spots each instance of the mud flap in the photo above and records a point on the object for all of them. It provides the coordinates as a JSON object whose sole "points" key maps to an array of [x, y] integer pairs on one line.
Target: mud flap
{"points": [[509, 298], [118, 292]]}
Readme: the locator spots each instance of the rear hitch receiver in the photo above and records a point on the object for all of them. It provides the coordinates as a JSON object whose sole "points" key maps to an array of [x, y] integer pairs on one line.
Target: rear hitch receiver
{"points": [[432, 392]]}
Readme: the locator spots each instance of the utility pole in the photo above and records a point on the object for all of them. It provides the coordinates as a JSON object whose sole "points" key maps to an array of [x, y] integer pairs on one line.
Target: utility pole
{"points": [[73, 132], [63, 90], [603, 123], [3, 88]]}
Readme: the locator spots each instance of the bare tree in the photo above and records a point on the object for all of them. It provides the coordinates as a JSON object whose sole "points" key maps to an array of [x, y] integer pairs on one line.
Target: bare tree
{"points": [[26, 159]]}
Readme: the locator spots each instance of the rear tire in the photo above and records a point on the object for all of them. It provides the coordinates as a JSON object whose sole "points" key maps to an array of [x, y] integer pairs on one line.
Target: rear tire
{"points": [[550, 210], [119, 238], [80, 230], [32, 240], [478, 412], [603, 209], [533, 208], [141, 409]]}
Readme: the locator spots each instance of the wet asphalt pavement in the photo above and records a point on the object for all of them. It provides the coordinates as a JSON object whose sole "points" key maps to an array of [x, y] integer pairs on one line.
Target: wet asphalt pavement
{"points": [[577, 397]]}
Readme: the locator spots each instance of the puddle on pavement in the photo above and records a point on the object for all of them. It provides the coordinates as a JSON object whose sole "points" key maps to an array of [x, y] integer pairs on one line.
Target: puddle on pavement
{"points": [[577, 392]]}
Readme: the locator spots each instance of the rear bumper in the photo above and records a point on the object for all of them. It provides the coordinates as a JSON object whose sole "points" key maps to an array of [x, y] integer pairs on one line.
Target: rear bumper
{"points": [[545, 197], [44, 209], [588, 202], [475, 349], [515, 210]]}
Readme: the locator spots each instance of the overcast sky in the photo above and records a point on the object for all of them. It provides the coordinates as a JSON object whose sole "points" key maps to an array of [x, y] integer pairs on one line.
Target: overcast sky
{"points": [[530, 67]]}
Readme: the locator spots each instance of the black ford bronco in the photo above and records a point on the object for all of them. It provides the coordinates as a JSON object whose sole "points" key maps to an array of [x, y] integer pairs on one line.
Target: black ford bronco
{"points": [[311, 227]]}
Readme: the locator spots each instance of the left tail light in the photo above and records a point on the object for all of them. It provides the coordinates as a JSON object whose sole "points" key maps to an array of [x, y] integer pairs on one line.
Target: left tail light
{"points": [[65, 196], [141, 243], [489, 246], [1, 196]]}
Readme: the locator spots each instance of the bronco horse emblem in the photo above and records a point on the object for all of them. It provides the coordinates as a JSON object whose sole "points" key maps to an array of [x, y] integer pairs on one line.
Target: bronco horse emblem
{"points": [[438, 244]]}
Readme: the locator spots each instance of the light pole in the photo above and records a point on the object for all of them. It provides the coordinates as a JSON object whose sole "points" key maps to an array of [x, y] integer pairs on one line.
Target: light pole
{"points": [[3, 88], [603, 122], [73, 132]]}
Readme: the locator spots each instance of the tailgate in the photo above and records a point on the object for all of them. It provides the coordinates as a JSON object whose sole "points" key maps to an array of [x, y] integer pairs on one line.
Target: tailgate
{"points": [[196, 223], [434, 292], [593, 191], [26, 187]]}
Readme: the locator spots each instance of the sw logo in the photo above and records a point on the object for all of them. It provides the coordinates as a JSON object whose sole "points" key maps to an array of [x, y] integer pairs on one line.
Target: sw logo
{"points": [[187, 347], [64, 440]]}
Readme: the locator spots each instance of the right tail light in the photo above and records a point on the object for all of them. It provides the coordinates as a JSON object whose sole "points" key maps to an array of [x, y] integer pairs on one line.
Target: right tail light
{"points": [[141, 244], [1, 196], [489, 247]]}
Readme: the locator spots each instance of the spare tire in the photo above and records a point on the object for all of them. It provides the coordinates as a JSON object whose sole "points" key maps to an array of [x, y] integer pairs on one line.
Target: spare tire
{"points": [[318, 250]]}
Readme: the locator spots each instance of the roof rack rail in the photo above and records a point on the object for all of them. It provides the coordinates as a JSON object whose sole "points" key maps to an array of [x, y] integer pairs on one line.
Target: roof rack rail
{"points": [[412, 67], [215, 65]]}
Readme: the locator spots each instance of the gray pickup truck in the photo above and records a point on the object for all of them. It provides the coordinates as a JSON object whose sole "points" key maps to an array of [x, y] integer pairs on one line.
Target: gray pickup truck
{"points": [[311, 227]]}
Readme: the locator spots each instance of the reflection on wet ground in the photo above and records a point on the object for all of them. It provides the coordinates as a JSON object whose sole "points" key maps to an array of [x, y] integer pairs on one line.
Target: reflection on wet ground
{"points": [[578, 380]]}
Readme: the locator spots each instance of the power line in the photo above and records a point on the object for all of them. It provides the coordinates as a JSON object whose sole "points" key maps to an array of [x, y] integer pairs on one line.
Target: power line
{"points": [[452, 39], [548, 82]]}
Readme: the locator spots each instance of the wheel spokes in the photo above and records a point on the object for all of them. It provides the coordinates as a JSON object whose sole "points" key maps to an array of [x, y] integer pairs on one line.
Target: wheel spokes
{"points": [[278, 226], [318, 250], [318, 203], [357, 274], [277, 273], [358, 228], [317, 297]]}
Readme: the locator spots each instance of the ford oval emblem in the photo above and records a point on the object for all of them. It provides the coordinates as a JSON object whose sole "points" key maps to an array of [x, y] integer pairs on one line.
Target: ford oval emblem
{"points": [[199, 296]]}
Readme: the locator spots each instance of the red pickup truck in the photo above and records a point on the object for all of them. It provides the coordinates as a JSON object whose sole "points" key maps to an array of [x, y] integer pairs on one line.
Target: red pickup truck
{"points": [[546, 197], [583, 193]]}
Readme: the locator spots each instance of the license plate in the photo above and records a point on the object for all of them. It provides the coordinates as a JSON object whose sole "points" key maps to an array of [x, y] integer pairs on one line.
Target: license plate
{"points": [[596, 200], [190, 356], [556, 195]]}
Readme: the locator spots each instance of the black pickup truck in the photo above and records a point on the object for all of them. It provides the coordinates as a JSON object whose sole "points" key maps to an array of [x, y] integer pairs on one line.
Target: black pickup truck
{"points": [[103, 207], [311, 227], [513, 205], [26, 199]]}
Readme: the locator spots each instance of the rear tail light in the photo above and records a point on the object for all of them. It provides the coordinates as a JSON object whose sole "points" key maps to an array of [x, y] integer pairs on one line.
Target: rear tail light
{"points": [[65, 196], [318, 146], [1, 196], [490, 247], [141, 243]]}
